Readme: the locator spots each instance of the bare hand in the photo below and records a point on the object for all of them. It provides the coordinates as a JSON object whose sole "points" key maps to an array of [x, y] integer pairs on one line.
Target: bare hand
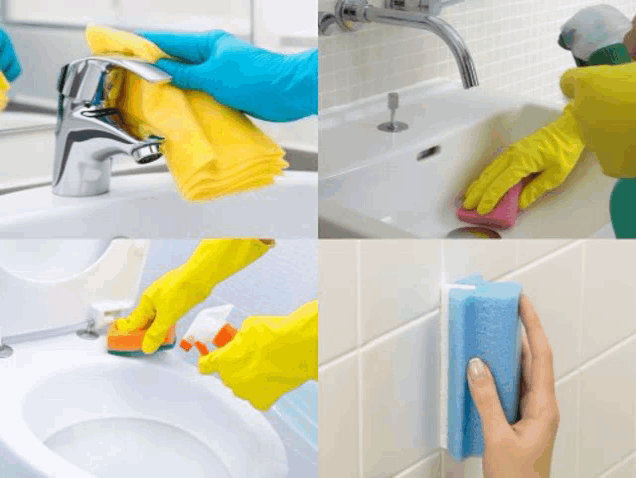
{"points": [[522, 450]]}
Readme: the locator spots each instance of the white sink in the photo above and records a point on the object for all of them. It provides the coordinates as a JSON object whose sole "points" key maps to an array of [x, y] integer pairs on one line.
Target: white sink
{"points": [[408, 184], [149, 206]]}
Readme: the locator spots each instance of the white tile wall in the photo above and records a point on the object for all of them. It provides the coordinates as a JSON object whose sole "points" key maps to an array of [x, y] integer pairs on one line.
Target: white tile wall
{"points": [[379, 397], [513, 44]]}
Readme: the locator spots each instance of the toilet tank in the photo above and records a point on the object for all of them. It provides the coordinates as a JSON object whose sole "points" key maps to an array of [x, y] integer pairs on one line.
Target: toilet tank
{"points": [[48, 284]]}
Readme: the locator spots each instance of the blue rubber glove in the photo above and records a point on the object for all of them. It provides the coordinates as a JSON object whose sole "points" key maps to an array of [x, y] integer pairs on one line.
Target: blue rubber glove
{"points": [[8, 59], [266, 85]]}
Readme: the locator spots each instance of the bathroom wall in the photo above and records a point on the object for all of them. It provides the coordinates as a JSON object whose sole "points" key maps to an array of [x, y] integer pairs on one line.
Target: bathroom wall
{"points": [[513, 44], [282, 280], [378, 376]]}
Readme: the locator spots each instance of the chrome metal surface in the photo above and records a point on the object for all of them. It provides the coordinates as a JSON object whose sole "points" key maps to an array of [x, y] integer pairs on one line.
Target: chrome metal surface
{"points": [[326, 21], [88, 134], [429, 7], [473, 232], [351, 12], [88, 333], [393, 126], [5, 351]]}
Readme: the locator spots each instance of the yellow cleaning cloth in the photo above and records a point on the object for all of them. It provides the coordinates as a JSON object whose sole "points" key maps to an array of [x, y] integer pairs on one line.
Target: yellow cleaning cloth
{"points": [[604, 105], [211, 150], [4, 89]]}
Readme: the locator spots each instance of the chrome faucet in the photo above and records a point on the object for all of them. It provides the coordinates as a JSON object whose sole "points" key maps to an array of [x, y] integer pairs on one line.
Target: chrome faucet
{"points": [[415, 14], [87, 135]]}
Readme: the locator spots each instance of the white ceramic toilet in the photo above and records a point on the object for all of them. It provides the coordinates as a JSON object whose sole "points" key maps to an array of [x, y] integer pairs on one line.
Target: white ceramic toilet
{"points": [[68, 409]]}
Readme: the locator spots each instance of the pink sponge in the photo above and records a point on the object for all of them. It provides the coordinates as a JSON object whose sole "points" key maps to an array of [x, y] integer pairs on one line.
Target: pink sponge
{"points": [[503, 216]]}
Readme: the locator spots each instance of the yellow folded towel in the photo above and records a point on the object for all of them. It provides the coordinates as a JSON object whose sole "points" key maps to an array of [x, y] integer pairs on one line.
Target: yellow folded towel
{"points": [[211, 150], [4, 89]]}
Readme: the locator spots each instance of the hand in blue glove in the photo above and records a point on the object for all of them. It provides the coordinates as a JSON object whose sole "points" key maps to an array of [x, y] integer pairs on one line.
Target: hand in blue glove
{"points": [[266, 85], [8, 60]]}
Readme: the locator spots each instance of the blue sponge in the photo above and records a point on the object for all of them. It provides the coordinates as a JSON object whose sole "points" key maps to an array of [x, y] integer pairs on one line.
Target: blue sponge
{"points": [[483, 322]]}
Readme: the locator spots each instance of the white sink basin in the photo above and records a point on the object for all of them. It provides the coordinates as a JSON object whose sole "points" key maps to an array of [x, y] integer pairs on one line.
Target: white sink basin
{"points": [[149, 206], [408, 184]]}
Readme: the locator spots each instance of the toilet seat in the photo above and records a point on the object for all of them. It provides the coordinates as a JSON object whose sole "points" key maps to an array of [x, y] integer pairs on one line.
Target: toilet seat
{"points": [[49, 385]]}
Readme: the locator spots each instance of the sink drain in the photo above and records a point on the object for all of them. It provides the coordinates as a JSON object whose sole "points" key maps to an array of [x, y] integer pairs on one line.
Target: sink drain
{"points": [[473, 233]]}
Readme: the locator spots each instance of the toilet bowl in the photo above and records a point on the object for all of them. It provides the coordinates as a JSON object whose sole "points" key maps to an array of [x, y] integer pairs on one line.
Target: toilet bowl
{"points": [[70, 410]]}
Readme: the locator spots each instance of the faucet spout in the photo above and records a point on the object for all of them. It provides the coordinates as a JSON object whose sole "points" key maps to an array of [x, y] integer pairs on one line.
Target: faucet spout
{"points": [[84, 149], [88, 134], [348, 11]]}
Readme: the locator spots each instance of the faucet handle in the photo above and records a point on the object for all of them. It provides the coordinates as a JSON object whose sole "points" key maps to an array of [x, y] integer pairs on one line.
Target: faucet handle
{"points": [[147, 71], [82, 78]]}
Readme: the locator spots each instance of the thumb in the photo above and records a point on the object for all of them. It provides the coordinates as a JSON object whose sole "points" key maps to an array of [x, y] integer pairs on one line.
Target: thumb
{"points": [[208, 364], [484, 393], [156, 334], [138, 318], [184, 76]]}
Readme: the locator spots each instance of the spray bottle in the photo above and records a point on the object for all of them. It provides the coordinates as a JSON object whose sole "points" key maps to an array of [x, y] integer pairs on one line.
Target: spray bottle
{"points": [[209, 330]]}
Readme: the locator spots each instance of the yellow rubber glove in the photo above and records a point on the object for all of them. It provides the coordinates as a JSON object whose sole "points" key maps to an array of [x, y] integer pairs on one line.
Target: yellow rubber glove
{"points": [[176, 292], [269, 356], [552, 151], [4, 89], [604, 104]]}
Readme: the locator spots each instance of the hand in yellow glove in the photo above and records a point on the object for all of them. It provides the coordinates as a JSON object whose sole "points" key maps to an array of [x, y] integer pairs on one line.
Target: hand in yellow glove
{"points": [[4, 90], [269, 356], [603, 103], [176, 292], [552, 151]]}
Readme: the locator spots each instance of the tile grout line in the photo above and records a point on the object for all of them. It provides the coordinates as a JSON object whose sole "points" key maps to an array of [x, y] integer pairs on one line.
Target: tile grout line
{"points": [[577, 428], [615, 466], [414, 466], [441, 371], [358, 244], [540, 260], [597, 358], [579, 381]]}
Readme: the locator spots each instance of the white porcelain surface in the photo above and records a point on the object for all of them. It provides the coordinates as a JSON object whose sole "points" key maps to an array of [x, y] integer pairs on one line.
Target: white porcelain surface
{"points": [[49, 259], [149, 206], [338, 304], [610, 299], [608, 400], [57, 383], [400, 399], [377, 178], [554, 287], [399, 281], [338, 419], [35, 299]]}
